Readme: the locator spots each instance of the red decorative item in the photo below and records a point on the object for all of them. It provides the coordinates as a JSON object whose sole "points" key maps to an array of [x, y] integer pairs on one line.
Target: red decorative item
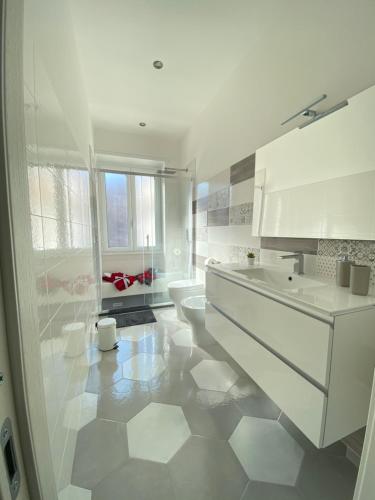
{"points": [[123, 281], [120, 280], [147, 277]]}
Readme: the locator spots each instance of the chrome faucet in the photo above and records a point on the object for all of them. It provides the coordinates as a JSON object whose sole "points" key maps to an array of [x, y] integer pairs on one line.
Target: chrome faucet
{"points": [[299, 264]]}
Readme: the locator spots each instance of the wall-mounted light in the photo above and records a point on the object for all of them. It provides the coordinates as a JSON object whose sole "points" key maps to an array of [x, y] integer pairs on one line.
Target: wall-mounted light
{"points": [[315, 115]]}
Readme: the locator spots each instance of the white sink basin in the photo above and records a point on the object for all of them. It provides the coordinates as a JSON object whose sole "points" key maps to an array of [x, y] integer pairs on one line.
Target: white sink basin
{"points": [[279, 280]]}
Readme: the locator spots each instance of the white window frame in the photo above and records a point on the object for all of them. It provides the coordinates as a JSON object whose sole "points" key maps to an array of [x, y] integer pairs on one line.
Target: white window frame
{"points": [[132, 216]]}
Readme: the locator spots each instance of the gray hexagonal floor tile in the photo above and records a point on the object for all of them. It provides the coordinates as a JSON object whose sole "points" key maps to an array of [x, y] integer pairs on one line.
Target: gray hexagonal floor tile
{"points": [[173, 387], [183, 337], [216, 422], [267, 491], [252, 401], [125, 350], [81, 410], [137, 332], [207, 469], [212, 399], [214, 375], [103, 375], [143, 367], [266, 451], [169, 316], [137, 480], [327, 477], [101, 448], [74, 493], [123, 400], [216, 352], [182, 358], [301, 439], [157, 343], [157, 432]]}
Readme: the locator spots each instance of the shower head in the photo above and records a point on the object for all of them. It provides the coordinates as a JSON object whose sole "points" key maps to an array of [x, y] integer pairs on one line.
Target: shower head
{"points": [[170, 171]]}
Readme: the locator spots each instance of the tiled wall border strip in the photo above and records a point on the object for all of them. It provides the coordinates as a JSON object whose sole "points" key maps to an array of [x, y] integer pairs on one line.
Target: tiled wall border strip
{"points": [[305, 245], [242, 170]]}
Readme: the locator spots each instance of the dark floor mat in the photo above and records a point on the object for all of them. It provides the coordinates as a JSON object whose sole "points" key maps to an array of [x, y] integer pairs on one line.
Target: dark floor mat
{"points": [[122, 310], [132, 301], [134, 318]]}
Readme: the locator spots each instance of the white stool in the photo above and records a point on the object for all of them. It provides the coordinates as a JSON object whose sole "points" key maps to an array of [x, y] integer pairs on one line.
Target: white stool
{"points": [[107, 334]]}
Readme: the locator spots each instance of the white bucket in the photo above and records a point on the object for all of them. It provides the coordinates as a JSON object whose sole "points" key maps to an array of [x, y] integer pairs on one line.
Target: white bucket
{"points": [[107, 334]]}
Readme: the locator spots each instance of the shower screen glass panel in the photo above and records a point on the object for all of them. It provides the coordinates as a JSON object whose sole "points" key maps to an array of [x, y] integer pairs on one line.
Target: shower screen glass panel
{"points": [[146, 233]]}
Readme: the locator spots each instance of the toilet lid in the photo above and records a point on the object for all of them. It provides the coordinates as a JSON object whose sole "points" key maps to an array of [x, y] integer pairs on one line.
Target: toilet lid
{"points": [[185, 284]]}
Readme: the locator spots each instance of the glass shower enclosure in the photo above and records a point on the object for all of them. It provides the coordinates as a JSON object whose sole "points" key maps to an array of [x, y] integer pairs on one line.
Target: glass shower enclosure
{"points": [[145, 230]]}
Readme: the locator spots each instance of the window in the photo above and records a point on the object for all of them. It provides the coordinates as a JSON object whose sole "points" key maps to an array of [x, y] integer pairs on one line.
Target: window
{"points": [[145, 210], [117, 204], [131, 212]]}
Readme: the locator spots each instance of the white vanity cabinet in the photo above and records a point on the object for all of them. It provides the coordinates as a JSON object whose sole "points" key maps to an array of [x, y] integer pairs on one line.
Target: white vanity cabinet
{"points": [[317, 368]]}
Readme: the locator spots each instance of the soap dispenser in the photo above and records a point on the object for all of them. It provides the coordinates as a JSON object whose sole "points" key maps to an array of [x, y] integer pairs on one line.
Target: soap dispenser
{"points": [[343, 264]]}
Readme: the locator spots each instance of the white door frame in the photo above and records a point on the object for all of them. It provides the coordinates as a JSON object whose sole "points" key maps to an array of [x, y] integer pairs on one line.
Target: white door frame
{"points": [[16, 271], [365, 488], [7, 411]]}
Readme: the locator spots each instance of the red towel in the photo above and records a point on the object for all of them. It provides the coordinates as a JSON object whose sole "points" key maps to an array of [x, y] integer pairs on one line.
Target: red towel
{"points": [[123, 281], [120, 280]]}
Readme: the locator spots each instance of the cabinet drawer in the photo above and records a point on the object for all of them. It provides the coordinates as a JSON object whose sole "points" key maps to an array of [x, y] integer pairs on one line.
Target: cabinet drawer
{"points": [[302, 340], [301, 401]]}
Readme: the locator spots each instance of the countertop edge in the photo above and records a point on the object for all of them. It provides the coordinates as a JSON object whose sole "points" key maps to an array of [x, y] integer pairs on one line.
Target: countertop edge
{"points": [[316, 311]]}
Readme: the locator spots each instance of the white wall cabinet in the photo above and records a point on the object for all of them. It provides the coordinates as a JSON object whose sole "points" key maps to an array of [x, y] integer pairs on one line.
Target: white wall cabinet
{"points": [[318, 371], [320, 180]]}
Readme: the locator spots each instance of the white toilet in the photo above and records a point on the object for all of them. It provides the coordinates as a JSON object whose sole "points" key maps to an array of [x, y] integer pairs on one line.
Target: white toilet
{"points": [[179, 290], [194, 309]]}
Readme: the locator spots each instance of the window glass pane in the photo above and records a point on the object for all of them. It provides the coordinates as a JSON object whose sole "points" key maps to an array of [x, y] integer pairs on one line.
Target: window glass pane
{"points": [[116, 192], [145, 207]]}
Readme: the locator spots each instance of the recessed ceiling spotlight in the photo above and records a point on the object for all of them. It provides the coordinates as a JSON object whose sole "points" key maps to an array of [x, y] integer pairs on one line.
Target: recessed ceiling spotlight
{"points": [[157, 64], [142, 124]]}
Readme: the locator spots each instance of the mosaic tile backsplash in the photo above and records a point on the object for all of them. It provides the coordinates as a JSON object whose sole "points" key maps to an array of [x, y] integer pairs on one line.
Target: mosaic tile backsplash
{"points": [[361, 251]]}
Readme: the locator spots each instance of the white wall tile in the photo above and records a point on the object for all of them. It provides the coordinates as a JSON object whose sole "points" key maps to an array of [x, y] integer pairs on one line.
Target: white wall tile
{"points": [[219, 181], [232, 235], [243, 192], [201, 248]]}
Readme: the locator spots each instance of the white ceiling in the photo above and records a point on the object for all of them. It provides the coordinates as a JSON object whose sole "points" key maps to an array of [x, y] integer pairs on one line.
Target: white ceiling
{"points": [[202, 42], [199, 41]]}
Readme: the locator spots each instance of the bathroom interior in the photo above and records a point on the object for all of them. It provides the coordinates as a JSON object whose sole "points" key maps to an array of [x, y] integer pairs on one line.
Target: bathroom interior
{"points": [[188, 250]]}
